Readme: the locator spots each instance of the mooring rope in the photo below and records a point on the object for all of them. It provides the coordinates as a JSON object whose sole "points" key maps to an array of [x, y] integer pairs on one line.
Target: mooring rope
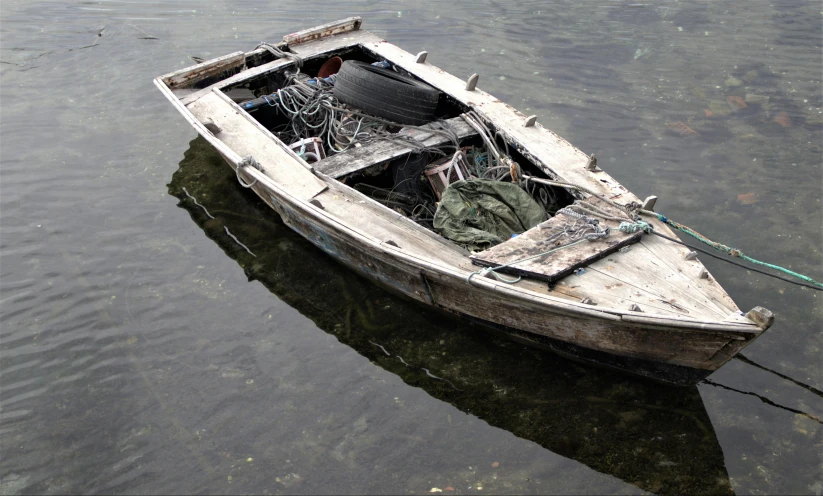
{"points": [[735, 252]]}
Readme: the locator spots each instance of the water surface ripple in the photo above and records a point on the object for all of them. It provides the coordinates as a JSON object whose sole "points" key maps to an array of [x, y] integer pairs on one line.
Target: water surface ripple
{"points": [[143, 350]]}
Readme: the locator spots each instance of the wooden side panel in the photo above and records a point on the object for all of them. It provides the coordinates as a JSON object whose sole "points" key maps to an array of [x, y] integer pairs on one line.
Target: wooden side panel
{"points": [[692, 349], [191, 75], [245, 139]]}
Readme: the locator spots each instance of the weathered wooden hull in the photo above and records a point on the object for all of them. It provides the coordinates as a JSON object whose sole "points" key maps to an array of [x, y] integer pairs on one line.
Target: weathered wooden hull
{"points": [[375, 242], [673, 355]]}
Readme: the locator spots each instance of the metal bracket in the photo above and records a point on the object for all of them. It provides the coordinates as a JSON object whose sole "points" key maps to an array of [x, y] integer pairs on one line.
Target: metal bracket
{"points": [[471, 83], [634, 307], [530, 121], [421, 57], [591, 165], [690, 256], [648, 203]]}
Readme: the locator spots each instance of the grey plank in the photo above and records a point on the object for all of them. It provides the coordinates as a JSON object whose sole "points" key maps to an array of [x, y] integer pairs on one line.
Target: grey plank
{"points": [[558, 264], [359, 158]]}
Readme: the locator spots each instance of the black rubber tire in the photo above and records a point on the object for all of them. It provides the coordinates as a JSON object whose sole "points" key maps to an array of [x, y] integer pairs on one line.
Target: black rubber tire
{"points": [[385, 93]]}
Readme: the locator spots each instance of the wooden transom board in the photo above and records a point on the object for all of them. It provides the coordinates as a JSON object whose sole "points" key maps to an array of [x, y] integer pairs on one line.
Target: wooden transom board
{"points": [[559, 264]]}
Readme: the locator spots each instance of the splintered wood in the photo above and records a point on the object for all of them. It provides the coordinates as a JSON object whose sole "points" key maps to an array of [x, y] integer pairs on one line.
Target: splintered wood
{"points": [[561, 263]]}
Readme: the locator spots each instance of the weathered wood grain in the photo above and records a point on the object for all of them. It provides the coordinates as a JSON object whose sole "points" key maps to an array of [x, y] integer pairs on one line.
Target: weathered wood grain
{"points": [[245, 139], [324, 30], [189, 76], [377, 152], [559, 264]]}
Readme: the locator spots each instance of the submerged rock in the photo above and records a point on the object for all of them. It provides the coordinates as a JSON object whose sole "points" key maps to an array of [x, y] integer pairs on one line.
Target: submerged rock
{"points": [[719, 108], [783, 119], [733, 82], [750, 76], [735, 103]]}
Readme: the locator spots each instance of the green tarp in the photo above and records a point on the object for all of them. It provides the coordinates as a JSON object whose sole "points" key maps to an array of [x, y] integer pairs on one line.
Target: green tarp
{"points": [[479, 214]]}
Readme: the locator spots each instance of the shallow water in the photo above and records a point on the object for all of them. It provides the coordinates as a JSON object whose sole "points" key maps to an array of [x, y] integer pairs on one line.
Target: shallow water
{"points": [[140, 356]]}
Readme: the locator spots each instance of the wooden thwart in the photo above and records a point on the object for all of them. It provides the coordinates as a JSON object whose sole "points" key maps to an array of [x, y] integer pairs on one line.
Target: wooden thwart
{"points": [[560, 263], [377, 152]]}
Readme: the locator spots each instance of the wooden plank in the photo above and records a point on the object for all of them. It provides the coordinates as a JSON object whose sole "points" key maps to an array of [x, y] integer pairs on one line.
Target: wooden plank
{"points": [[324, 30], [607, 291], [741, 329], [359, 158], [254, 122], [246, 139], [191, 75], [639, 268], [559, 264], [673, 254]]}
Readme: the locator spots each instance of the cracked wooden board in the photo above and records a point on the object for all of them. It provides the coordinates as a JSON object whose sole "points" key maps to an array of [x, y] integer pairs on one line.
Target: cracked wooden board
{"points": [[559, 264]]}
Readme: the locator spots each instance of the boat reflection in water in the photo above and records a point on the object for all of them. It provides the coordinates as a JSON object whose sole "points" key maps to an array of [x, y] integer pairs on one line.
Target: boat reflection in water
{"points": [[654, 436]]}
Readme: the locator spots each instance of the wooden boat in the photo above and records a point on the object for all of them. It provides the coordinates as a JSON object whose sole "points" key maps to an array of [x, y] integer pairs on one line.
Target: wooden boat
{"points": [[635, 302]]}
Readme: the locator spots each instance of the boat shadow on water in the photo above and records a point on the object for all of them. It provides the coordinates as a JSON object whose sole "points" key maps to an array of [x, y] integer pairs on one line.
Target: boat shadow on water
{"points": [[654, 436]]}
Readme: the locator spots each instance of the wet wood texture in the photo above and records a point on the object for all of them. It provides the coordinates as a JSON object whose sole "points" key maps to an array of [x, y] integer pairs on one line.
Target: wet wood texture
{"points": [[559, 264]]}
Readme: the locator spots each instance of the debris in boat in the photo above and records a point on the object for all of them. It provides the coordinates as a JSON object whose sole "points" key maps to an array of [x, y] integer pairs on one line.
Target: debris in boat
{"points": [[580, 271], [435, 490], [708, 112], [736, 103], [330, 67], [681, 129], [748, 198], [482, 213], [783, 119], [495, 464]]}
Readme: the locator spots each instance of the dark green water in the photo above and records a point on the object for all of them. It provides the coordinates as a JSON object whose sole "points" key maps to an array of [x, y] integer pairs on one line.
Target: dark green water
{"points": [[143, 350]]}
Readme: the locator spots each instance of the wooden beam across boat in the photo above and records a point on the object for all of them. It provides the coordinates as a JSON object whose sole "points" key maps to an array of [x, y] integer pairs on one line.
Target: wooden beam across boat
{"points": [[408, 140]]}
